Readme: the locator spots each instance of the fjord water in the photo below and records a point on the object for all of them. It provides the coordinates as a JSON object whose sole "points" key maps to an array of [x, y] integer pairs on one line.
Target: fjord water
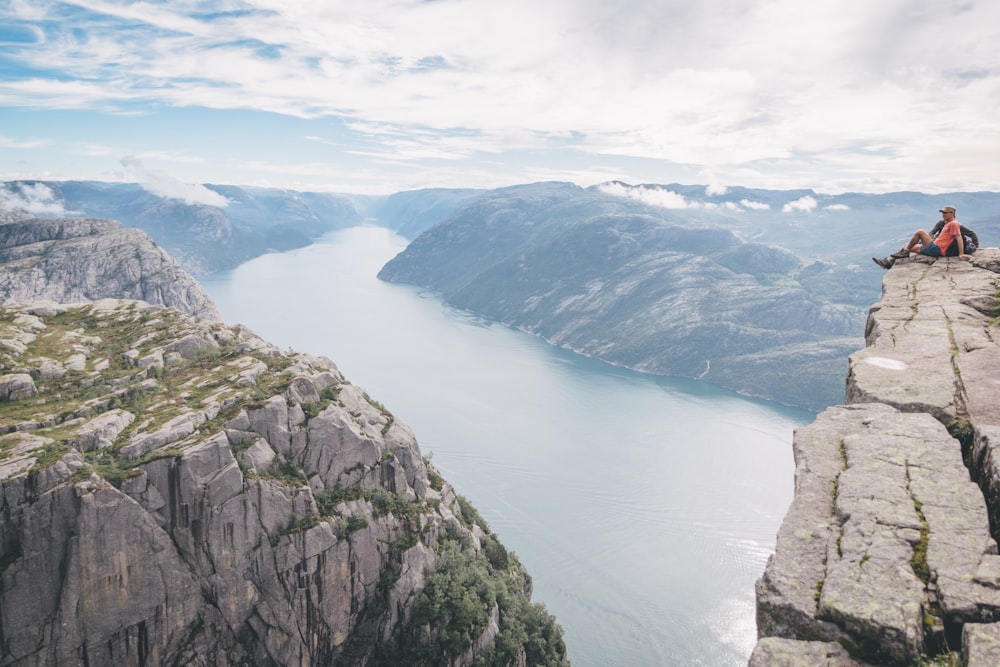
{"points": [[644, 508]]}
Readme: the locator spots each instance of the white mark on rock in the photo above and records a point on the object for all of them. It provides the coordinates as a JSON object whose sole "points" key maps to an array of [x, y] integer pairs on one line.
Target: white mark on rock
{"points": [[885, 362]]}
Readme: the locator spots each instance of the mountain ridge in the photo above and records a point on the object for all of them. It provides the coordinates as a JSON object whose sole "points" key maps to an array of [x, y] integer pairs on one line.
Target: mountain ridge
{"points": [[74, 259]]}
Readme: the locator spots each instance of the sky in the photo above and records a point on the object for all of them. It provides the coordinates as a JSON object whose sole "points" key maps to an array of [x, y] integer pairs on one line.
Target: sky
{"points": [[382, 96]]}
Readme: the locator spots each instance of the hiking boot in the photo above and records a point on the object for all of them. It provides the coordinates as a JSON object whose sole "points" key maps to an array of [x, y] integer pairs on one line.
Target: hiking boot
{"points": [[885, 263], [900, 254]]}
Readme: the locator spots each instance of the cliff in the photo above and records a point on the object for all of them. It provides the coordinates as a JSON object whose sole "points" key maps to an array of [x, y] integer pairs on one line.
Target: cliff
{"points": [[179, 492], [69, 259], [888, 552], [206, 228]]}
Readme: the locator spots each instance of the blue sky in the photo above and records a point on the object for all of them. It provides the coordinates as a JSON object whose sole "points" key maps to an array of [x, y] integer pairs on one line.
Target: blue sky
{"points": [[391, 95]]}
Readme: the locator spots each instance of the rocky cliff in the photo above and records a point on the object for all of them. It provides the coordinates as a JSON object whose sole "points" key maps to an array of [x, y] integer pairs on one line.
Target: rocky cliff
{"points": [[179, 492], [888, 553], [69, 259], [206, 228]]}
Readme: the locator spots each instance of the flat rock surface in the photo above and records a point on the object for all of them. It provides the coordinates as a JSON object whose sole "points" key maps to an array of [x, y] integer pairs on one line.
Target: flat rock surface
{"points": [[887, 540]]}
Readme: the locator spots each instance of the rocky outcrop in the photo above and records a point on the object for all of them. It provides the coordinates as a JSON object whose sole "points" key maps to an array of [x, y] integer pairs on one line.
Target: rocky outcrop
{"points": [[888, 551], [69, 260], [179, 492]]}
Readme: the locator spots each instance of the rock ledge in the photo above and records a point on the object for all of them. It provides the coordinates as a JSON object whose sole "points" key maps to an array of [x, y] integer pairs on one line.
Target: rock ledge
{"points": [[888, 552]]}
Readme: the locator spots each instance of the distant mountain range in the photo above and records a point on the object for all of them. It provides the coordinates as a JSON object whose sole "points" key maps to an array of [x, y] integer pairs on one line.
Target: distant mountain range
{"points": [[765, 292], [203, 238], [762, 291]]}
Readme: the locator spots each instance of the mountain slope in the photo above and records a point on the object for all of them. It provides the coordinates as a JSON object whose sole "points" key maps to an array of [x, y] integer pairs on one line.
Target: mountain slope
{"points": [[242, 223], [178, 492], [639, 287], [69, 260]]}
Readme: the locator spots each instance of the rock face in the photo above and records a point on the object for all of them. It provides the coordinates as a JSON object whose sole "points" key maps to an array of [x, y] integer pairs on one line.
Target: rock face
{"points": [[179, 492], [206, 228], [888, 549], [68, 260]]}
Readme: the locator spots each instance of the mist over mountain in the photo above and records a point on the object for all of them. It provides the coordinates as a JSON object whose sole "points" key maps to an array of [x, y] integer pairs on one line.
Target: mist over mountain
{"points": [[71, 260], [761, 291], [204, 238], [410, 213]]}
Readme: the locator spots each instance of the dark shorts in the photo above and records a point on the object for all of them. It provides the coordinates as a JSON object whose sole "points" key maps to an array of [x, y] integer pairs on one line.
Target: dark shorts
{"points": [[932, 250]]}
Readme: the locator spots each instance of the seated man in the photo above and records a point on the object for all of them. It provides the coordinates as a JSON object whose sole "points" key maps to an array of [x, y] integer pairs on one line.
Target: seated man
{"points": [[922, 243]]}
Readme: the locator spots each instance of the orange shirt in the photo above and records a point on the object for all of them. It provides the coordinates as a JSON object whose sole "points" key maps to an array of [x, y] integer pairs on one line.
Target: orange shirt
{"points": [[948, 234]]}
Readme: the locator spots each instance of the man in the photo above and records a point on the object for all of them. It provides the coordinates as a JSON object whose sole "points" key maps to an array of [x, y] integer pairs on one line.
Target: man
{"points": [[922, 243]]}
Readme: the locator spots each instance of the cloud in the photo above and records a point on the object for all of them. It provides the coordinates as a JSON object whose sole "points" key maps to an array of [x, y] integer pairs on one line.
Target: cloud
{"points": [[161, 184], [804, 204], [755, 205], [653, 196], [35, 198], [737, 89], [837, 207]]}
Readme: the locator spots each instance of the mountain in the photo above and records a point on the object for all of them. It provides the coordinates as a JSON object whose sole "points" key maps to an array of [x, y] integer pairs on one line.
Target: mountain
{"points": [[69, 260], [638, 286], [244, 222], [410, 213], [761, 291], [180, 492]]}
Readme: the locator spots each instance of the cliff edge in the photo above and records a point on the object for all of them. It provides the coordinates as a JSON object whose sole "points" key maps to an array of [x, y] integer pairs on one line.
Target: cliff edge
{"points": [[82, 259], [888, 552], [175, 491]]}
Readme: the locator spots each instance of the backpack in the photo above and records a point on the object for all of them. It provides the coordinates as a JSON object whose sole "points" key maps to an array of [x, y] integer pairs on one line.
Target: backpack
{"points": [[967, 243]]}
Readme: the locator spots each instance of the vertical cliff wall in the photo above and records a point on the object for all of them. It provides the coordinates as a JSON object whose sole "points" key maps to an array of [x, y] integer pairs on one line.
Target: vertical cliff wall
{"points": [[77, 259], [175, 491], [888, 552]]}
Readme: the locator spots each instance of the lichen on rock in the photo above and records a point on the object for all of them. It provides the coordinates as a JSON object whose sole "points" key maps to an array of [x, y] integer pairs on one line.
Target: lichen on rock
{"points": [[889, 547], [229, 504]]}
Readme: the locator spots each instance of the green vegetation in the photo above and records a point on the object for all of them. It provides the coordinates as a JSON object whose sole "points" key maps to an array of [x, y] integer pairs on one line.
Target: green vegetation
{"points": [[919, 560], [385, 413], [943, 660], [355, 522], [48, 455], [154, 392], [434, 479], [383, 502], [453, 611], [126, 368]]}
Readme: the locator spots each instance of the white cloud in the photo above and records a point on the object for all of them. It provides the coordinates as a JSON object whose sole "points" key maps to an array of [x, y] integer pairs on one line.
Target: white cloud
{"points": [[755, 205], [653, 196], [715, 189], [162, 184], [837, 207], [830, 94], [805, 204], [36, 198]]}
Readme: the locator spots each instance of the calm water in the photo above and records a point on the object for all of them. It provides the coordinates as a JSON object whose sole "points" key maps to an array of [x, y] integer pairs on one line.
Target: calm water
{"points": [[644, 509]]}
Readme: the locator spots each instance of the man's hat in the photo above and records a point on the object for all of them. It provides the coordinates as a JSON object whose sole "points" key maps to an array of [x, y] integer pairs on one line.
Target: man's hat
{"points": [[947, 209]]}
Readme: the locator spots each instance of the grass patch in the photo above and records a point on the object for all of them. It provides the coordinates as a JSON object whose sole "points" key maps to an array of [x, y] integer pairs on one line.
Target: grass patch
{"points": [[919, 559]]}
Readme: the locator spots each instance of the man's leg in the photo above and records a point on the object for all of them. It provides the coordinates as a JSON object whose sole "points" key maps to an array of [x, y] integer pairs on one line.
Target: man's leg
{"points": [[919, 240]]}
